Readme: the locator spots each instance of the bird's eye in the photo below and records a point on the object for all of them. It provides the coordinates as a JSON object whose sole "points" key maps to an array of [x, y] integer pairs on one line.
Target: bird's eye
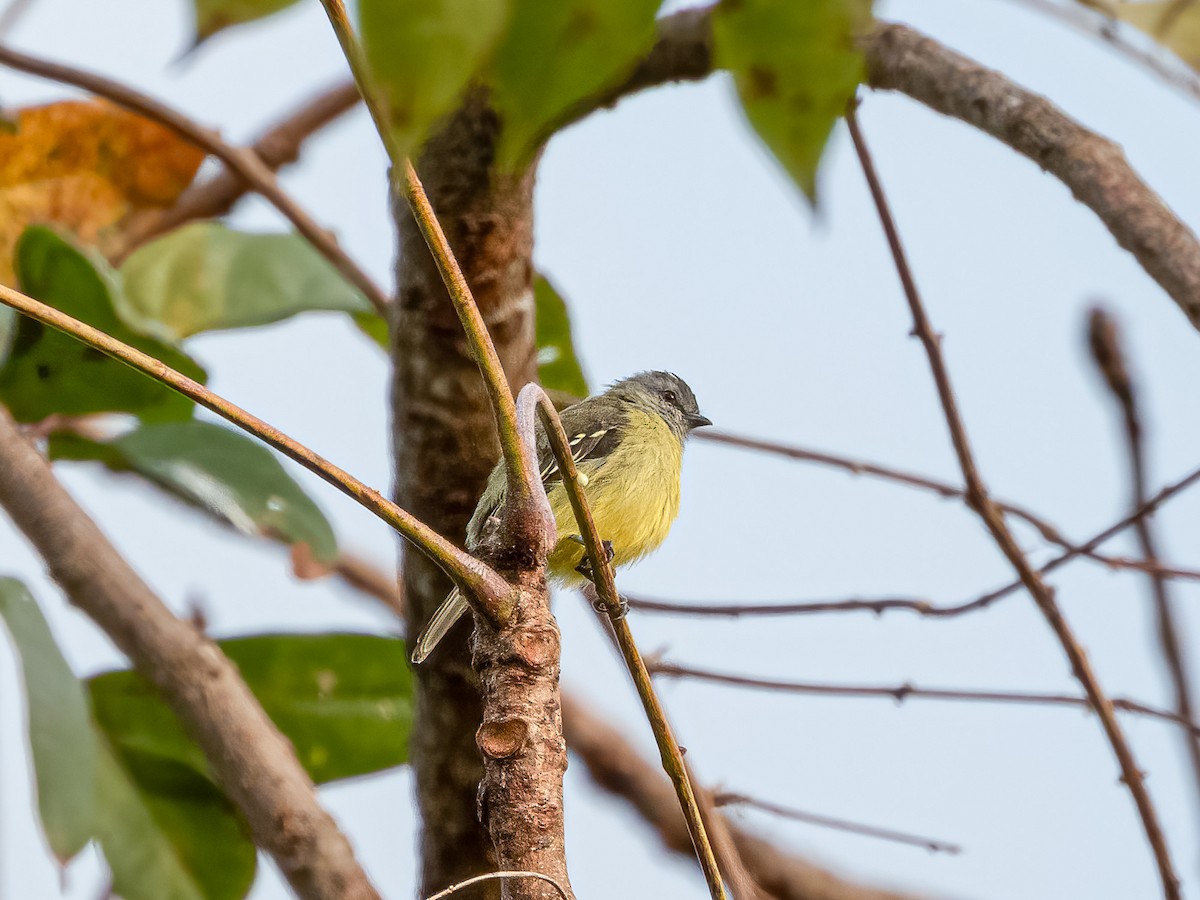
{"points": [[670, 397]]}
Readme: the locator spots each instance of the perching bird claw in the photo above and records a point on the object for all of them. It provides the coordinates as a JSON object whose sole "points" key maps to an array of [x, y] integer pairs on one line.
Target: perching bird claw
{"points": [[585, 566]]}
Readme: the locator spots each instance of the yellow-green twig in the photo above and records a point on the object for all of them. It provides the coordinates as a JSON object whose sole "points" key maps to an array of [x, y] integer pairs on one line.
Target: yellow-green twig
{"points": [[602, 573], [476, 579], [405, 180]]}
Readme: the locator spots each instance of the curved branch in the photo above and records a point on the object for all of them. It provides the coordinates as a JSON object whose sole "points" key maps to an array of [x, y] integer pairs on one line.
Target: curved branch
{"points": [[254, 764], [478, 580], [241, 160]]}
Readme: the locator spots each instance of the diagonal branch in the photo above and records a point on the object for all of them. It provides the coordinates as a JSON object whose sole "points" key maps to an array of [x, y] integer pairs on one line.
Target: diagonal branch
{"points": [[216, 196], [901, 59], [978, 499], [241, 160], [476, 579], [253, 763], [1110, 359]]}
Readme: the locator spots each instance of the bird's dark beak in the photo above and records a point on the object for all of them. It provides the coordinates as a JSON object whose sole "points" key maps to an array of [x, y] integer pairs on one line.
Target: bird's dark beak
{"points": [[695, 420]]}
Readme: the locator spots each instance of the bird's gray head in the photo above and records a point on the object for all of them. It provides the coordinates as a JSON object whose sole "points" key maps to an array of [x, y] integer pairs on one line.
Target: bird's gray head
{"points": [[663, 393]]}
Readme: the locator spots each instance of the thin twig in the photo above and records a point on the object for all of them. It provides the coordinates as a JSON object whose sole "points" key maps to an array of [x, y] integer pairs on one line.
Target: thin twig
{"points": [[943, 489], [901, 692], [602, 573], [217, 195], [977, 498], [1105, 341], [406, 180], [490, 591], [492, 876], [1094, 23], [933, 845], [241, 160]]}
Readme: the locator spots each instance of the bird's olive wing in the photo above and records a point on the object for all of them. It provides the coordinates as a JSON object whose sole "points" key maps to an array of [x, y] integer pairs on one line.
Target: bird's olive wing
{"points": [[590, 438]]}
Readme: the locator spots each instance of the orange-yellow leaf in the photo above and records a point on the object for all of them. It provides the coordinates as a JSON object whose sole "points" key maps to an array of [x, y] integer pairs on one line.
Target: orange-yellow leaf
{"points": [[86, 166]]}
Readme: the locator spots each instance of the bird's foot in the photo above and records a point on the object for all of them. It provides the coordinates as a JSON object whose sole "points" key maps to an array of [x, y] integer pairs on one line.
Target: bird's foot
{"points": [[585, 566]]}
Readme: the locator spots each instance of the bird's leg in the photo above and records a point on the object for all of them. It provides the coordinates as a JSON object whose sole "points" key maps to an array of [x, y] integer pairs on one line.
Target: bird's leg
{"points": [[585, 569]]}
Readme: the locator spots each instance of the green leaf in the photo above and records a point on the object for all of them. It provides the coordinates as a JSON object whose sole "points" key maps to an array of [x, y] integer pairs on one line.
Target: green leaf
{"points": [[47, 372], [373, 326], [60, 732], [215, 15], [204, 277], [1176, 28], [558, 366], [232, 477], [422, 55], [796, 66], [343, 700], [556, 53], [167, 833]]}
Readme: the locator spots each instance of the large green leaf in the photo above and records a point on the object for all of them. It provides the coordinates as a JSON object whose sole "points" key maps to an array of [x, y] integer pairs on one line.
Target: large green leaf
{"points": [[47, 372], [556, 53], [226, 474], [343, 700], [167, 833], [215, 15], [422, 55], [204, 277], [796, 67], [60, 732], [558, 366]]}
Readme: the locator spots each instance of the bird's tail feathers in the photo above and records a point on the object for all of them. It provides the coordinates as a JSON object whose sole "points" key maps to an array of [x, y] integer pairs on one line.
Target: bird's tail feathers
{"points": [[451, 610]]}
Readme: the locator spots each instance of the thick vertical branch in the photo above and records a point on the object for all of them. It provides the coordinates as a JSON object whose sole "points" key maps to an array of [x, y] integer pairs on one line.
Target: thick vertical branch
{"points": [[253, 763], [445, 443]]}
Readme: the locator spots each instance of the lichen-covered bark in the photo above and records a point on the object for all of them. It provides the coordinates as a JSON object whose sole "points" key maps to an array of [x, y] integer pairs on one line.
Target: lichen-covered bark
{"points": [[444, 441]]}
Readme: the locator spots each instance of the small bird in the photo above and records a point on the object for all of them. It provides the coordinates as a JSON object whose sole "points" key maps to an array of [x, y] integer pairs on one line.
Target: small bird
{"points": [[628, 446]]}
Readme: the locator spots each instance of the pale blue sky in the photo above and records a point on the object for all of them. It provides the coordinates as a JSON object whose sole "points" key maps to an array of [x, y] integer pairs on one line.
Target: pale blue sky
{"points": [[681, 245]]}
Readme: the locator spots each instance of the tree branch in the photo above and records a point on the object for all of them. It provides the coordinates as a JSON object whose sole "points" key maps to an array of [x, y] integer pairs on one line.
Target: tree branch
{"points": [[901, 692], [978, 499], [491, 592], [618, 768], [254, 764], [1105, 341], [241, 160], [216, 196]]}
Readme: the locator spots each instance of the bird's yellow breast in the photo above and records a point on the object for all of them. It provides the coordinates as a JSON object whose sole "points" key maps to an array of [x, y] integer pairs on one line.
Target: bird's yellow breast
{"points": [[633, 494]]}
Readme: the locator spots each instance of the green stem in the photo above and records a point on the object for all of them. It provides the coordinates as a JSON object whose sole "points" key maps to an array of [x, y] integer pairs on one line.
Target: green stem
{"points": [[476, 579], [668, 747]]}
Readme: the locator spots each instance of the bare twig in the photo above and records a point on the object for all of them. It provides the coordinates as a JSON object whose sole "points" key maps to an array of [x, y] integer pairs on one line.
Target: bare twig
{"points": [[493, 876], [943, 489], [1107, 352], [254, 764], [901, 692], [241, 160], [1094, 23], [619, 768], [933, 845], [602, 573], [217, 195], [977, 498], [490, 590]]}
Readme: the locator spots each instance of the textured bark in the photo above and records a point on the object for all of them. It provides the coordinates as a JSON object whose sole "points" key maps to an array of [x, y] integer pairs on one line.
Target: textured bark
{"points": [[253, 763], [445, 444]]}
